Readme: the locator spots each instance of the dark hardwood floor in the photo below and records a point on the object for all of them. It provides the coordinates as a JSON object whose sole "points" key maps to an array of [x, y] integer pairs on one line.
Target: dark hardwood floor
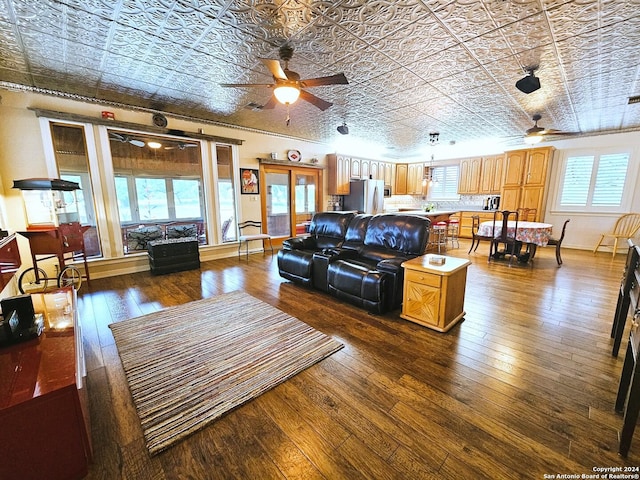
{"points": [[523, 387]]}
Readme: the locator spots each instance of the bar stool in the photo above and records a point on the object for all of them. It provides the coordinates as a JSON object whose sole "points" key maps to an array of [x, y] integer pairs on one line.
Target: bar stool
{"points": [[453, 229], [438, 236]]}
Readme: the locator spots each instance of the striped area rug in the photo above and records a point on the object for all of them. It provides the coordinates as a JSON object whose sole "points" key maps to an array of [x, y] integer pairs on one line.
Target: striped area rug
{"points": [[188, 365]]}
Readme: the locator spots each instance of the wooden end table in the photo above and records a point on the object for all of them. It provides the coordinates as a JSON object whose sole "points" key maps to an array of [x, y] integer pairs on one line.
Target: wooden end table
{"points": [[434, 294]]}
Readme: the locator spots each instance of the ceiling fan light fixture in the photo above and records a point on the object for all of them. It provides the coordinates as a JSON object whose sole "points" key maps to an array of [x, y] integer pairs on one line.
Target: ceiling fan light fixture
{"points": [[286, 93], [154, 145]]}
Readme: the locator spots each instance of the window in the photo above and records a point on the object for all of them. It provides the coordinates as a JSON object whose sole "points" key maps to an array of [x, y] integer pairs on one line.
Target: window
{"points": [[159, 188], [444, 184], [72, 160], [594, 181], [225, 194], [147, 199]]}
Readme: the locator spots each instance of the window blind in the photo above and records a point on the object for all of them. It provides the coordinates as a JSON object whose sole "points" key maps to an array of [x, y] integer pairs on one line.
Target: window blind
{"points": [[594, 180], [445, 182]]}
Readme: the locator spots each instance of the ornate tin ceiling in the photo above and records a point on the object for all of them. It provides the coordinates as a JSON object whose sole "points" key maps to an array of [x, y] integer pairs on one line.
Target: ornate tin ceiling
{"points": [[414, 66]]}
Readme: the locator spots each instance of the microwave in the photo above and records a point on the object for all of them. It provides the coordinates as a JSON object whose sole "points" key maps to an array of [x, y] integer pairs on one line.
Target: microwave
{"points": [[387, 190]]}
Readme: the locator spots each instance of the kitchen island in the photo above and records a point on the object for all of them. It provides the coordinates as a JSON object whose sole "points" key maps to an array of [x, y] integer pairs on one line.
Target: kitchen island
{"points": [[434, 215]]}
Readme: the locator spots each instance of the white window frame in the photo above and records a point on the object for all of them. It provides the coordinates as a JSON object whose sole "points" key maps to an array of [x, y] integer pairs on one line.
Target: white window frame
{"points": [[627, 191]]}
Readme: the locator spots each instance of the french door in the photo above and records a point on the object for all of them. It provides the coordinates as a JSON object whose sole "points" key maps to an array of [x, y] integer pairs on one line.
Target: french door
{"points": [[291, 196]]}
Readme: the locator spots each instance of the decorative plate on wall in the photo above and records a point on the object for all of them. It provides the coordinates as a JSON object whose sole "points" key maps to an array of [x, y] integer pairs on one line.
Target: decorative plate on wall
{"points": [[294, 155]]}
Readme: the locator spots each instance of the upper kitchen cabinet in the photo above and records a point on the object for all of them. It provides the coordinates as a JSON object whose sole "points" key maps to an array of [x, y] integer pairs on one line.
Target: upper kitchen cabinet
{"points": [[415, 174], [469, 180], [525, 179], [339, 174], [356, 172], [402, 170], [388, 173], [491, 175]]}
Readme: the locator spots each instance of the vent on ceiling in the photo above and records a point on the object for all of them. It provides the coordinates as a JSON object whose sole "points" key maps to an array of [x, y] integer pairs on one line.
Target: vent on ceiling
{"points": [[635, 99]]}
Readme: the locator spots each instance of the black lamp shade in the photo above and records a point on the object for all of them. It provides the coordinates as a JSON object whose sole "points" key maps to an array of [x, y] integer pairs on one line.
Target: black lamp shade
{"points": [[343, 130]]}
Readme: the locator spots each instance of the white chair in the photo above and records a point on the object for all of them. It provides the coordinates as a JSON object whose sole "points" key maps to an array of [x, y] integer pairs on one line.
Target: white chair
{"points": [[244, 238]]}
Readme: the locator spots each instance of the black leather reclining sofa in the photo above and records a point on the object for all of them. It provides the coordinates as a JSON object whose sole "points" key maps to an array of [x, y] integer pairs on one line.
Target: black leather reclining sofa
{"points": [[356, 257]]}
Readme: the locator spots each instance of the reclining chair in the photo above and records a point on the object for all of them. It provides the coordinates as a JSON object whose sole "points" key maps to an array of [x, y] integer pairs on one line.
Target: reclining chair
{"points": [[327, 231]]}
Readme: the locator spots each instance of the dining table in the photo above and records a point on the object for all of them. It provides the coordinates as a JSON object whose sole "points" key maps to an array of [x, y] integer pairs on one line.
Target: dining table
{"points": [[533, 234]]}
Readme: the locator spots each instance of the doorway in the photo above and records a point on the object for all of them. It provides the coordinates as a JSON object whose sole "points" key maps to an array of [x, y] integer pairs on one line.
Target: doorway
{"points": [[291, 197]]}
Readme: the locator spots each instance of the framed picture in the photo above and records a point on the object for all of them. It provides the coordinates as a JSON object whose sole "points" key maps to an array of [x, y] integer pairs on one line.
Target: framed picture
{"points": [[249, 181]]}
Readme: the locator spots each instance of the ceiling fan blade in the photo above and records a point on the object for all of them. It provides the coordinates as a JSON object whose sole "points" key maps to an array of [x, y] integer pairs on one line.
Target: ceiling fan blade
{"points": [[275, 68], [318, 102], [558, 132], [273, 101], [338, 79], [136, 142], [268, 85]]}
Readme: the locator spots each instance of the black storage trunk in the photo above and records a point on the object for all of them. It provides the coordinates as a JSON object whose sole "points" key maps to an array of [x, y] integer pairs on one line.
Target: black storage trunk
{"points": [[173, 255]]}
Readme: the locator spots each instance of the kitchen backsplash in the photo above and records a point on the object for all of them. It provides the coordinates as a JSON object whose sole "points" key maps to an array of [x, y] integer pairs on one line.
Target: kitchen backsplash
{"points": [[417, 201], [393, 203]]}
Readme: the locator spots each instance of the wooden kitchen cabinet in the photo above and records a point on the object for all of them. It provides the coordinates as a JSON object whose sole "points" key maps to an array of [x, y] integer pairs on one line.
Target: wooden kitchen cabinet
{"points": [[373, 170], [491, 175], [525, 179], [466, 222], [469, 179], [434, 295], [415, 175], [388, 174], [339, 177], [355, 168], [402, 169]]}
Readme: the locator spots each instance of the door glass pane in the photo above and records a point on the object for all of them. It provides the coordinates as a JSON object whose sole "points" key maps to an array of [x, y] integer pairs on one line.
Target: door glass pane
{"points": [[278, 207], [305, 200], [73, 164]]}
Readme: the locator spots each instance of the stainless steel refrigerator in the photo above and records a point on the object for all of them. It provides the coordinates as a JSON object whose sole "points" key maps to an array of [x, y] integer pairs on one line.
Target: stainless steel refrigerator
{"points": [[367, 196]]}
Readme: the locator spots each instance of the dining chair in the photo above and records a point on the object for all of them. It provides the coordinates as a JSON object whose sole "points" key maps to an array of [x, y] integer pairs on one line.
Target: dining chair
{"points": [[475, 238], [506, 238], [527, 214], [246, 238], [557, 242], [625, 227]]}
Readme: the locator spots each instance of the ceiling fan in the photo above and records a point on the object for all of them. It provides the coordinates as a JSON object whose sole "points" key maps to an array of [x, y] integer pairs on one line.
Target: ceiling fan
{"points": [[181, 146], [536, 133], [287, 86], [126, 139]]}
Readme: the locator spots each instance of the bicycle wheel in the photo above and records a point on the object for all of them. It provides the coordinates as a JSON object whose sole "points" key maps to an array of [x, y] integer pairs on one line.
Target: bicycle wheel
{"points": [[70, 277], [27, 281]]}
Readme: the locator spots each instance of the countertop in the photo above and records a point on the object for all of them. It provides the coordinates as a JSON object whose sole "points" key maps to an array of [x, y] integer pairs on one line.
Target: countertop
{"points": [[432, 213]]}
